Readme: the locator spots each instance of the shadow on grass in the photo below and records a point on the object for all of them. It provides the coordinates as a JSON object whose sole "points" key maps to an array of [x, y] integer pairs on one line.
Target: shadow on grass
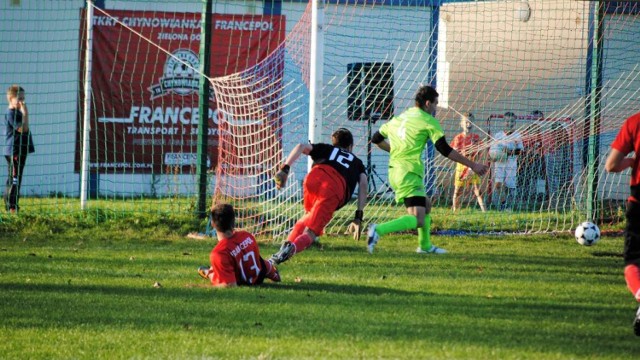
{"points": [[345, 289], [329, 313], [184, 294]]}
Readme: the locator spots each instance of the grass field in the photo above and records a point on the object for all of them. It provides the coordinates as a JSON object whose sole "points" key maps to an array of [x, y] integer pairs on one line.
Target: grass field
{"points": [[80, 290]]}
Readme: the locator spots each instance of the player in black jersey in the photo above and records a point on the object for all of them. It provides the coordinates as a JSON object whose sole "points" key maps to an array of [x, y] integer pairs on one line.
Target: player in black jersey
{"points": [[327, 187]]}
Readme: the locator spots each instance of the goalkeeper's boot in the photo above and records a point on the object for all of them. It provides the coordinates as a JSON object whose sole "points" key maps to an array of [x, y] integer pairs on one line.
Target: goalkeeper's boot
{"points": [[373, 238], [432, 250], [636, 323], [287, 250], [203, 271]]}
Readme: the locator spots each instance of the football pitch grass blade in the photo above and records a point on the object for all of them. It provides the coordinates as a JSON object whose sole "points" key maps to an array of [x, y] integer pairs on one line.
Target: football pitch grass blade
{"points": [[89, 293]]}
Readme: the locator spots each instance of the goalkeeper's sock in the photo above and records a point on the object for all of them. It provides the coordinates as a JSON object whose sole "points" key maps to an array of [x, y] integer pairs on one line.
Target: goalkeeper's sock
{"points": [[632, 276], [403, 223], [297, 230], [302, 242], [424, 234]]}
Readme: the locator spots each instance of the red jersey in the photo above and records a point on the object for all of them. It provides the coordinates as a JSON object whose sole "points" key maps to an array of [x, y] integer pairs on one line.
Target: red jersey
{"points": [[534, 144], [462, 142], [628, 140], [345, 163], [237, 260]]}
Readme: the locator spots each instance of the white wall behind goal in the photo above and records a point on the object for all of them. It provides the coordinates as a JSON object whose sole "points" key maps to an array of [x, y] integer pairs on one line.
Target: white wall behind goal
{"points": [[40, 42]]}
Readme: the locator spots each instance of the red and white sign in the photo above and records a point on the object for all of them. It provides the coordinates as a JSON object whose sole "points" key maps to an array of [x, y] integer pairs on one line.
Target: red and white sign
{"points": [[144, 108]]}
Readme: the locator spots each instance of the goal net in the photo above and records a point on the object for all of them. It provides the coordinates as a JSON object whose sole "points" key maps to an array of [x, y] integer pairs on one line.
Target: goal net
{"points": [[536, 59], [574, 63]]}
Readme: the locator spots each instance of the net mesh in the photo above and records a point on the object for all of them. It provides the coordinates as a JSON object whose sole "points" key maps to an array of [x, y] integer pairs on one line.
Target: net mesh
{"points": [[487, 58]]}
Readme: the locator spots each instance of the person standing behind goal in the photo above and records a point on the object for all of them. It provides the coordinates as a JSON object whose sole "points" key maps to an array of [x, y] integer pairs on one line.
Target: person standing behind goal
{"points": [[405, 137], [505, 172], [18, 144], [327, 187], [627, 141], [466, 143]]}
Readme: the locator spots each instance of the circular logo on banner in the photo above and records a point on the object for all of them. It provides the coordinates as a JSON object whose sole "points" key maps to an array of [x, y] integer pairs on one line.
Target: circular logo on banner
{"points": [[179, 75]]}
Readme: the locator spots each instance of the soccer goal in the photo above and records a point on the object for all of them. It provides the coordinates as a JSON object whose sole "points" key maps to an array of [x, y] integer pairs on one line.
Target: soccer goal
{"points": [[289, 72]]}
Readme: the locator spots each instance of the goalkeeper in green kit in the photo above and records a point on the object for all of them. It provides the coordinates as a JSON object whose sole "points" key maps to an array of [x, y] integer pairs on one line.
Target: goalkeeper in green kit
{"points": [[405, 137]]}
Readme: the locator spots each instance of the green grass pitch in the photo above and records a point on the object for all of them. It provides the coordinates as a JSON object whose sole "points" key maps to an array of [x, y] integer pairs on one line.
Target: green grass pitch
{"points": [[87, 292]]}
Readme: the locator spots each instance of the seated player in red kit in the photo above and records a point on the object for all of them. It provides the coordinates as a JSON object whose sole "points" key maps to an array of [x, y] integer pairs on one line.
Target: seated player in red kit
{"points": [[236, 259]]}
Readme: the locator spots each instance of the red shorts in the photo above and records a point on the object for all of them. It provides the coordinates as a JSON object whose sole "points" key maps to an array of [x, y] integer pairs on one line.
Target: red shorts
{"points": [[324, 193]]}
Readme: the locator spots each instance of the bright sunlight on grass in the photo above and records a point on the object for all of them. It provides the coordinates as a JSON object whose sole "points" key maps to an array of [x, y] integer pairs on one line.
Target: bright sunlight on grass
{"points": [[88, 292]]}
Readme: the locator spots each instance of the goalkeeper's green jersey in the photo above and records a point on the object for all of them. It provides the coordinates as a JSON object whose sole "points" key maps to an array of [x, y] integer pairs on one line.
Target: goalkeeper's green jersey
{"points": [[408, 134]]}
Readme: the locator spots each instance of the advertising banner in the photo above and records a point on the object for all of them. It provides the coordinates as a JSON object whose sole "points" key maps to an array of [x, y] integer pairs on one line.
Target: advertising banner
{"points": [[144, 108]]}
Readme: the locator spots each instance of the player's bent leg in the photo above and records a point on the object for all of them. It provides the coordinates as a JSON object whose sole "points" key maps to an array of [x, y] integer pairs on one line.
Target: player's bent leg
{"points": [[321, 213], [424, 234], [272, 272], [287, 250], [298, 228], [315, 220], [303, 241], [424, 239], [403, 223]]}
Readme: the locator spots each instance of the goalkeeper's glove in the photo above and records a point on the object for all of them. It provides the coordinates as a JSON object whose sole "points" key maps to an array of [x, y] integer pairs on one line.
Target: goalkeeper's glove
{"points": [[281, 176], [355, 227]]}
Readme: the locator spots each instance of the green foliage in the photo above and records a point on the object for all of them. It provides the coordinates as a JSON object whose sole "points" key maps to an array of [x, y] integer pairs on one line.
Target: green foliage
{"points": [[83, 287]]}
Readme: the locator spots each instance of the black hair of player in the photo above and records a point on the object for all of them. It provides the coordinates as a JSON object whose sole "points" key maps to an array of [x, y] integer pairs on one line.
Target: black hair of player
{"points": [[425, 93], [342, 138], [223, 217]]}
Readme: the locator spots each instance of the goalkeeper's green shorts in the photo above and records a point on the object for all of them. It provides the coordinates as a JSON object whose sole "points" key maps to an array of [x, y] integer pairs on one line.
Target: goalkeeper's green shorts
{"points": [[406, 184]]}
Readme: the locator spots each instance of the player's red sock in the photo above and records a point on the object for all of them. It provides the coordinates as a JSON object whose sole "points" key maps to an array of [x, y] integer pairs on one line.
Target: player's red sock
{"points": [[297, 230], [632, 276], [272, 272], [302, 242]]}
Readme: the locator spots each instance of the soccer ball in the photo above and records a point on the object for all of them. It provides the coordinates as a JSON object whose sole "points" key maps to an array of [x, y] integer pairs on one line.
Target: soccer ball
{"points": [[497, 152], [587, 233]]}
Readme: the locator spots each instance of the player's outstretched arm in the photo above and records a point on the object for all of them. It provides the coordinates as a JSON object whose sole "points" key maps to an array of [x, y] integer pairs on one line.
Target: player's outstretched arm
{"points": [[477, 168], [281, 176], [355, 227], [443, 148], [297, 151], [363, 188], [617, 161]]}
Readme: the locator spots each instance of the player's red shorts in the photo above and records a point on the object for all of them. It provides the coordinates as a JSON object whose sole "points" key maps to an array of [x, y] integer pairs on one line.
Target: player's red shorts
{"points": [[324, 193]]}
